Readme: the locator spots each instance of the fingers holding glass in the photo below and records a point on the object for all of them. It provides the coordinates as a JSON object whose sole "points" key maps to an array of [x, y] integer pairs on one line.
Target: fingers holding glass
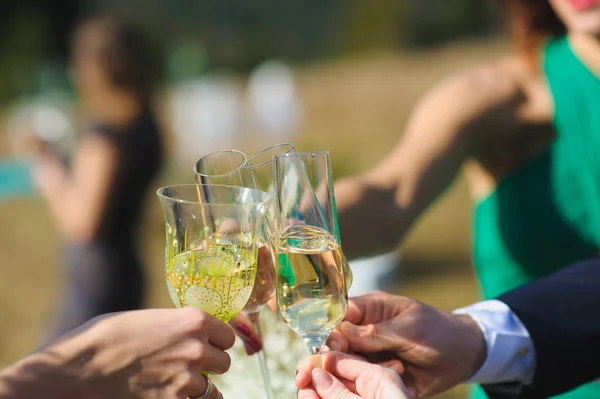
{"points": [[343, 374]]}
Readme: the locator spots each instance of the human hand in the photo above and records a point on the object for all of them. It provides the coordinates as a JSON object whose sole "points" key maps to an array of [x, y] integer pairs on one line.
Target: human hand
{"points": [[134, 355], [159, 352], [347, 377], [243, 327], [438, 350], [26, 143], [49, 173], [246, 323]]}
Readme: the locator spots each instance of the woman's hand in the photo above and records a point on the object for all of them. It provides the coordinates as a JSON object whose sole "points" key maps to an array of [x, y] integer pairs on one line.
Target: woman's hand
{"points": [[263, 292], [153, 353], [347, 377], [245, 330], [152, 347]]}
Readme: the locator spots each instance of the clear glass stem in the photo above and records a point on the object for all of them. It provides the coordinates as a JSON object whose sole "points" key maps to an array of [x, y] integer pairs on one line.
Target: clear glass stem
{"points": [[262, 356], [315, 342]]}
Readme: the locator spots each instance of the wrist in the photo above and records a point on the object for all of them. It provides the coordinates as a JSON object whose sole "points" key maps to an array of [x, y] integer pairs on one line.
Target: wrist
{"points": [[477, 349], [61, 370], [44, 373]]}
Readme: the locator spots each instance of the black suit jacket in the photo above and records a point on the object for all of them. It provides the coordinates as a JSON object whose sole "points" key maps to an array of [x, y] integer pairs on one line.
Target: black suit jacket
{"points": [[562, 314]]}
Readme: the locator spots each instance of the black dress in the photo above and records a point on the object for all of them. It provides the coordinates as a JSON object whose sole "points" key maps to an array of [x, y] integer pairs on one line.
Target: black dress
{"points": [[107, 275]]}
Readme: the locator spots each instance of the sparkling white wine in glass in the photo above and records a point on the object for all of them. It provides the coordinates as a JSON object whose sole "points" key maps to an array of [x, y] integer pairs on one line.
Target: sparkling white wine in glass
{"points": [[217, 280], [311, 293], [311, 276], [211, 245]]}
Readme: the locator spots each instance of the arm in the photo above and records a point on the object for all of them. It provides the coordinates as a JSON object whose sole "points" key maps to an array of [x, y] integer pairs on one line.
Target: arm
{"points": [[490, 342], [53, 373], [559, 314], [377, 208], [141, 354], [510, 351], [76, 200]]}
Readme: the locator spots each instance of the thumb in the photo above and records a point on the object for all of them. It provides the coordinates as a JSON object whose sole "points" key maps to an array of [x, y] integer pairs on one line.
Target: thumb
{"points": [[329, 387], [371, 337]]}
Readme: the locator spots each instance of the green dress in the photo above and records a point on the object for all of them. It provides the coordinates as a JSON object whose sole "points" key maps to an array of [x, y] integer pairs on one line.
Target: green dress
{"points": [[545, 214]]}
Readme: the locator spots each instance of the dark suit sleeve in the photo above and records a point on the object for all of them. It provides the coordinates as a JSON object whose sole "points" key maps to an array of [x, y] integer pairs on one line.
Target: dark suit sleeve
{"points": [[562, 314]]}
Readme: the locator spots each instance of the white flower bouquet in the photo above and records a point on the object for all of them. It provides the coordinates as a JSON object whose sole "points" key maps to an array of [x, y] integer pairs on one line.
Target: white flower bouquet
{"points": [[284, 350]]}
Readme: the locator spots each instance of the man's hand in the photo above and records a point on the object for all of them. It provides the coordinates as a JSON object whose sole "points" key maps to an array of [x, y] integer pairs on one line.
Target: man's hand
{"points": [[438, 350]]}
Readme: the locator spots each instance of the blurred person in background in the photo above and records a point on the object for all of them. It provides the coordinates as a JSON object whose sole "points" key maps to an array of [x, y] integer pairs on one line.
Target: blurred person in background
{"points": [[527, 128], [97, 203]]}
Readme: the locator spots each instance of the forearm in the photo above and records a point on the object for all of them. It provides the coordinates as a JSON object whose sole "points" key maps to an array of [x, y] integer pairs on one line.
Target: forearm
{"points": [[66, 200], [510, 355], [53, 182], [558, 313], [62, 371], [370, 221]]}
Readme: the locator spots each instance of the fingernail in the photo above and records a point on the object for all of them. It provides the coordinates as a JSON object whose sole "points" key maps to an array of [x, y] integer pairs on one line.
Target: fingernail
{"points": [[255, 344], [322, 379], [244, 330], [252, 345], [249, 350], [334, 346]]}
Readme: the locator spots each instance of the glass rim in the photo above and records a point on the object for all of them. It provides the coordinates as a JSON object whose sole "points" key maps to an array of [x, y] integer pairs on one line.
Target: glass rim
{"points": [[223, 204], [257, 153], [231, 151], [301, 154]]}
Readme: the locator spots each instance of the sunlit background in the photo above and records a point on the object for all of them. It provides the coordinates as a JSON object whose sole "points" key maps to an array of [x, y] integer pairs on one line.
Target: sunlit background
{"points": [[340, 75]]}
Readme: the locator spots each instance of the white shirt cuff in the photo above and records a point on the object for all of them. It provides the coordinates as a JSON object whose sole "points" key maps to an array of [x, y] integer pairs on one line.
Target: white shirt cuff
{"points": [[510, 351]]}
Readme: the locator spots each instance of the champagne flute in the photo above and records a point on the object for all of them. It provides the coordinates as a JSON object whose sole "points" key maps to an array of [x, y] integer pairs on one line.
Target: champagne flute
{"points": [[260, 164], [212, 247], [230, 167], [311, 277], [224, 167]]}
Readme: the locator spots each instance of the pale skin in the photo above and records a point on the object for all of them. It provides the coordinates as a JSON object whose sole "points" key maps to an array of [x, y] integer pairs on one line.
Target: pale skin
{"points": [[346, 377], [156, 353]]}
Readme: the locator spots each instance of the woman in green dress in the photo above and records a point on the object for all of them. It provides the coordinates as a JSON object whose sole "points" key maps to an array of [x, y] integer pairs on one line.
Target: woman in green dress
{"points": [[527, 128]]}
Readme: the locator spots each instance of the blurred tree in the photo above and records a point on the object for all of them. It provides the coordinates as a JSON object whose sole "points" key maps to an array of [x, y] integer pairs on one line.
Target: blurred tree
{"points": [[366, 24], [433, 22], [237, 34], [32, 32]]}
